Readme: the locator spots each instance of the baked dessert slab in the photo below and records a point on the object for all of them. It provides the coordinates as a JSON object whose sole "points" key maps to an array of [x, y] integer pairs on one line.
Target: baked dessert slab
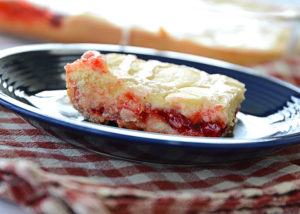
{"points": [[26, 19], [153, 96]]}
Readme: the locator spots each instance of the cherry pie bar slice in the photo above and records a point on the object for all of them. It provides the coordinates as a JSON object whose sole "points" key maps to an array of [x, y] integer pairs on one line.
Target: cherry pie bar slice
{"points": [[153, 96]]}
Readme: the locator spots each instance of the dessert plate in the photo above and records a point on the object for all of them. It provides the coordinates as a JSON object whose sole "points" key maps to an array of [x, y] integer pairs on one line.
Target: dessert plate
{"points": [[33, 85]]}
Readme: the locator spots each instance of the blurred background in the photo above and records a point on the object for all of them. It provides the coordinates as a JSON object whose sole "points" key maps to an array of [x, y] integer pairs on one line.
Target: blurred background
{"points": [[245, 32]]}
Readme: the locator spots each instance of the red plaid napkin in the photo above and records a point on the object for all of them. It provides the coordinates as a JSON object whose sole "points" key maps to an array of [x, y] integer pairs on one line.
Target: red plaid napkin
{"points": [[46, 175]]}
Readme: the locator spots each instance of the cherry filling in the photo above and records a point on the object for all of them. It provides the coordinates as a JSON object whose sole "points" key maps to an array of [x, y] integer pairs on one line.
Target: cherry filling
{"points": [[184, 126], [176, 120], [95, 59], [24, 11]]}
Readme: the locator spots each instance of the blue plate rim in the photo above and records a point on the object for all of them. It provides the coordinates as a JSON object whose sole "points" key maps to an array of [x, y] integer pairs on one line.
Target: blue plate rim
{"points": [[169, 140]]}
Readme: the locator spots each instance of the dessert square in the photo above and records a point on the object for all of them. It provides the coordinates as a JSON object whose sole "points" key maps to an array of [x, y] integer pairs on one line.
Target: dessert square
{"points": [[153, 96]]}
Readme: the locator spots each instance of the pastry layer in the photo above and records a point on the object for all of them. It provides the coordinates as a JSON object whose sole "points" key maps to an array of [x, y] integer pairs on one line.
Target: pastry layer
{"points": [[153, 96]]}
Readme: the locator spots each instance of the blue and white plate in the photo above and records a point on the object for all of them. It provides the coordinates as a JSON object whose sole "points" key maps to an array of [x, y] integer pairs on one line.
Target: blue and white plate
{"points": [[33, 85]]}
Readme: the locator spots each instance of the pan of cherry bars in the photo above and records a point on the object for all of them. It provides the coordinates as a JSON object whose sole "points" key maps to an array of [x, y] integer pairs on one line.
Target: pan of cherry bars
{"points": [[33, 84]]}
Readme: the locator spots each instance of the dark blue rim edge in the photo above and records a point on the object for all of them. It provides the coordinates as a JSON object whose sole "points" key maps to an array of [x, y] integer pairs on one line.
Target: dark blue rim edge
{"points": [[131, 135]]}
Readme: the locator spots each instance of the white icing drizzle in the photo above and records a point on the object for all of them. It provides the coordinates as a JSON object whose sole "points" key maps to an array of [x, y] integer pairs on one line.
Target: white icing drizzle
{"points": [[147, 70], [124, 67], [125, 36]]}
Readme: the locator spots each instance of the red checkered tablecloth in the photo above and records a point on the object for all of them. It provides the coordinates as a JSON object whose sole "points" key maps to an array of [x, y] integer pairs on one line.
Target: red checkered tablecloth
{"points": [[46, 175]]}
